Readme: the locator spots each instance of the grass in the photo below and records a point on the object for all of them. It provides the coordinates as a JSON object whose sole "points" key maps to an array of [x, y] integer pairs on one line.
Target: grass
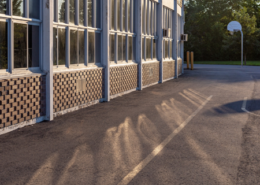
{"points": [[248, 63]]}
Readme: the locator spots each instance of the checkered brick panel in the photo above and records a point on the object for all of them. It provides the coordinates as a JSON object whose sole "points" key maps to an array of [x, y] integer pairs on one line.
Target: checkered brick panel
{"points": [[150, 73], [168, 69], [179, 67], [123, 78], [22, 99], [66, 93]]}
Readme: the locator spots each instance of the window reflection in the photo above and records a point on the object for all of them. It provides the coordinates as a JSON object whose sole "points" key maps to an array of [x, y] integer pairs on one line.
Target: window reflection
{"points": [[81, 47], [81, 12], [130, 48], [18, 7], [34, 46], [124, 47], [72, 11], [112, 47], [123, 15], [129, 14], [98, 47], [73, 47], [148, 48], [62, 46], [61, 10], [3, 6], [20, 45], [90, 12], [154, 49], [113, 14], [3, 46], [91, 47], [120, 47], [55, 36], [143, 48], [34, 9], [118, 15]]}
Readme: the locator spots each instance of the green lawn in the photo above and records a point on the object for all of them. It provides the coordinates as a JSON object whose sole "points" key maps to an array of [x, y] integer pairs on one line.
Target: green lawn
{"points": [[248, 63]]}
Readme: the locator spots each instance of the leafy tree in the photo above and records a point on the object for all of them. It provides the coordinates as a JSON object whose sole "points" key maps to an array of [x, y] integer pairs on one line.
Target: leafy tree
{"points": [[250, 31]]}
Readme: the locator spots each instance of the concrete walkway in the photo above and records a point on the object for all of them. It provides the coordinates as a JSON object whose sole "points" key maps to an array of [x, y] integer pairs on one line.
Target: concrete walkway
{"points": [[186, 131]]}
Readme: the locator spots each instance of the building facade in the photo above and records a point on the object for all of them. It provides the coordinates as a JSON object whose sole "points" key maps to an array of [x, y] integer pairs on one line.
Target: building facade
{"points": [[57, 56]]}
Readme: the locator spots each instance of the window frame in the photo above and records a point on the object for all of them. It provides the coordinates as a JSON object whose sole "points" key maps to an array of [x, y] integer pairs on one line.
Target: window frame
{"points": [[124, 32], [79, 27], [167, 23], [149, 28], [11, 19]]}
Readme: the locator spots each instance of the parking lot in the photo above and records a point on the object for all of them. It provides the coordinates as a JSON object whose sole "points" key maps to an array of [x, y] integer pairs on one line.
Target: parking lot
{"points": [[202, 128]]}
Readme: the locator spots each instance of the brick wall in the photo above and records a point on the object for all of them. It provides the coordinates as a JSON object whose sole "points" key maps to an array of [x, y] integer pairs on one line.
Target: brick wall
{"points": [[150, 73], [168, 69], [123, 78], [22, 99], [71, 89]]}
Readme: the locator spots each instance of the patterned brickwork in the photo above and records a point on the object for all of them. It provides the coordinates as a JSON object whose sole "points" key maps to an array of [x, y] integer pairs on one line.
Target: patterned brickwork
{"points": [[150, 73], [179, 67], [123, 78], [66, 91], [22, 99], [168, 69]]}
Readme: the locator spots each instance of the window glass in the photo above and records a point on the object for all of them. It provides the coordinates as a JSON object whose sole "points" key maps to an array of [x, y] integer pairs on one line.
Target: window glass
{"points": [[81, 47], [155, 18], [91, 47], [62, 46], [98, 13], [170, 48], [166, 48], [3, 6], [129, 14], [18, 8], [34, 9], [3, 46], [151, 18], [81, 12], [113, 14], [134, 42], [143, 48], [146, 14], [154, 49], [90, 12], [120, 47], [148, 48], [55, 36], [123, 15], [143, 16], [20, 45], [72, 11], [34, 46], [130, 48], [61, 10], [124, 47], [54, 10], [98, 47], [118, 15], [73, 47], [112, 47]]}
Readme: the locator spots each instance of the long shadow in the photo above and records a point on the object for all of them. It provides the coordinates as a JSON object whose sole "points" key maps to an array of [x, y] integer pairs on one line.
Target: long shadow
{"points": [[235, 107]]}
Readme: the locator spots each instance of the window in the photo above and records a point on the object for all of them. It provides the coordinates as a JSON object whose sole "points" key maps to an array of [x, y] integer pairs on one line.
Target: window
{"points": [[122, 32], [3, 46], [25, 35], [167, 24], [149, 27], [77, 38]]}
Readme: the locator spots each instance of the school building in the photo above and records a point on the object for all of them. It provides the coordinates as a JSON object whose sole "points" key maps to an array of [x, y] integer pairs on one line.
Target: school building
{"points": [[57, 56]]}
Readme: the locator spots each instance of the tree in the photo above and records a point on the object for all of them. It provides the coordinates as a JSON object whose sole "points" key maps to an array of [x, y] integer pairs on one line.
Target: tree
{"points": [[250, 31]]}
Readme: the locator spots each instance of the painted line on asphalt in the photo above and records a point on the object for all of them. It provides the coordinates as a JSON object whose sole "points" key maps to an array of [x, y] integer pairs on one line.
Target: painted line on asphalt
{"points": [[160, 147], [245, 110]]}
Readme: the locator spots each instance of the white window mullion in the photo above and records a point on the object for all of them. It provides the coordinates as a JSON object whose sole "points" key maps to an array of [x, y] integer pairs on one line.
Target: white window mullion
{"points": [[26, 9]]}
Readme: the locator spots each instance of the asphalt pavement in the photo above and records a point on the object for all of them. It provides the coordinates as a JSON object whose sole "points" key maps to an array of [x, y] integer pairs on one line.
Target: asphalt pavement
{"points": [[202, 128]]}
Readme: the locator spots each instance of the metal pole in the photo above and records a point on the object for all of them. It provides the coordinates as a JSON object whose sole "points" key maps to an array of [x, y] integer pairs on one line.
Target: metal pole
{"points": [[242, 39]]}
